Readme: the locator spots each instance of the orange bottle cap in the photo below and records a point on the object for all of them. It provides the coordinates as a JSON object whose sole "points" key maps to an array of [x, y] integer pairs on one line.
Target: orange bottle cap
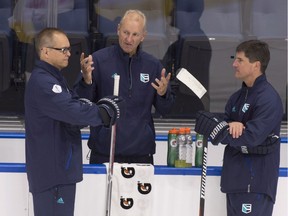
{"points": [[173, 131]]}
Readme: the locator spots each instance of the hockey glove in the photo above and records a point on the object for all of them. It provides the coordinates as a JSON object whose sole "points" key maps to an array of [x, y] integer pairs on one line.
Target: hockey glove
{"points": [[210, 126], [109, 108], [85, 101]]}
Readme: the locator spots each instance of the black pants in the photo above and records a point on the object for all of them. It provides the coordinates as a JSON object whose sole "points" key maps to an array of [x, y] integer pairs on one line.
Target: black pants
{"points": [[57, 201], [96, 158]]}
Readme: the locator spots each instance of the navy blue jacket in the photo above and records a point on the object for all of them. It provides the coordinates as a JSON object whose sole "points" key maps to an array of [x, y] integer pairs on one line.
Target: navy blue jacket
{"points": [[260, 109], [53, 141], [135, 134]]}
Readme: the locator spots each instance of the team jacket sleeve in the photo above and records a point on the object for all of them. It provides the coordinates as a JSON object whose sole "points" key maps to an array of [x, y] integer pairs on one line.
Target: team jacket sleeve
{"points": [[266, 118], [85, 90], [56, 101]]}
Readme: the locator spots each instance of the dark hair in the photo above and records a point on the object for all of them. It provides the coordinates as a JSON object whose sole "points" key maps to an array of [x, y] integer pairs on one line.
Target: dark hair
{"points": [[45, 38], [256, 50]]}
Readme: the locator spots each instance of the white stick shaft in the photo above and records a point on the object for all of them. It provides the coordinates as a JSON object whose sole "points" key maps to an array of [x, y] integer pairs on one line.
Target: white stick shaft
{"points": [[112, 151], [116, 85]]}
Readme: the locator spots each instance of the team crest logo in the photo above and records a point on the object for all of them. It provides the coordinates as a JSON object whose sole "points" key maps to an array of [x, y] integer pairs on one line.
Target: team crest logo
{"points": [[244, 150], [57, 88], [144, 77], [127, 172], [144, 188], [246, 208], [245, 107]]}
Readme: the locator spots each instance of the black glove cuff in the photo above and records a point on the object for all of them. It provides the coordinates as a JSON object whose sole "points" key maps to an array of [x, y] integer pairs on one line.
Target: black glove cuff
{"points": [[111, 104], [85, 101], [217, 130], [106, 114]]}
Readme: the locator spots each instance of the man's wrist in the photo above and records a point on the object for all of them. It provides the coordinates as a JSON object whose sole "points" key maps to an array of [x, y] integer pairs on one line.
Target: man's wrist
{"points": [[87, 81]]}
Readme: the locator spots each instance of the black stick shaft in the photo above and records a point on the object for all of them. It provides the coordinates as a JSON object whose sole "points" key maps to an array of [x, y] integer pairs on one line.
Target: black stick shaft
{"points": [[205, 102]]}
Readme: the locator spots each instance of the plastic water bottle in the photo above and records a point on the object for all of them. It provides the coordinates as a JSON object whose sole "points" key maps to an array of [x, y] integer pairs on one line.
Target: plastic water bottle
{"points": [[181, 140], [199, 150], [189, 148], [172, 154]]}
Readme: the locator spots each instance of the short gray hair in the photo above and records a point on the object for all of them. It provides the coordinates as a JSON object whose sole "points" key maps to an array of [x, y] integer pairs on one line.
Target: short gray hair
{"points": [[138, 15]]}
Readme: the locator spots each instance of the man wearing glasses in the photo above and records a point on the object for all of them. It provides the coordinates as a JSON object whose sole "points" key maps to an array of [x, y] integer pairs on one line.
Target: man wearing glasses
{"points": [[53, 118]]}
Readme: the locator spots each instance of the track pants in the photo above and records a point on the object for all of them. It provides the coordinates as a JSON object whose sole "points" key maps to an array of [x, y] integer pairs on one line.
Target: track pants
{"points": [[249, 204], [57, 201]]}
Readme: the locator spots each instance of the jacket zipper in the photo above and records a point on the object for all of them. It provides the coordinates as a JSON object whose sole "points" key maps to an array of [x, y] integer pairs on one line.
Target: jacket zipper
{"points": [[130, 77], [246, 95]]}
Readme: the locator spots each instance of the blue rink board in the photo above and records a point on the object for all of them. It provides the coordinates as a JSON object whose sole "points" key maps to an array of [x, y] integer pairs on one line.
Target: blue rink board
{"points": [[101, 169], [8, 135], [158, 170]]}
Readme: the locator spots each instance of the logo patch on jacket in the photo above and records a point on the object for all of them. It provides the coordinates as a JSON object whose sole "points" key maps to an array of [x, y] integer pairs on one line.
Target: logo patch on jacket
{"points": [[245, 107], [144, 77], [56, 88], [246, 208], [60, 201]]}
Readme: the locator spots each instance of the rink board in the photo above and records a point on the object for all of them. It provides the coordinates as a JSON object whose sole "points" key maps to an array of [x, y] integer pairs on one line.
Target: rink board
{"points": [[176, 191]]}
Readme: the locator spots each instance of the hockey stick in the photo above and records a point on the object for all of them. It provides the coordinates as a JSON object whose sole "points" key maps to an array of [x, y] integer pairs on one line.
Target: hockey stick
{"points": [[112, 152], [195, 86]]}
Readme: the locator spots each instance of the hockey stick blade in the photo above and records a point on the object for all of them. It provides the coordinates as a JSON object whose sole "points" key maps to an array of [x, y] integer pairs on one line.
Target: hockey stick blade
{"points": [[191, 82], [195, 86]]}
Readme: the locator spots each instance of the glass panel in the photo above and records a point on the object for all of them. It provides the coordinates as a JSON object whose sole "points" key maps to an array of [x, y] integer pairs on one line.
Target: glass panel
{"points": [[200, 35]]}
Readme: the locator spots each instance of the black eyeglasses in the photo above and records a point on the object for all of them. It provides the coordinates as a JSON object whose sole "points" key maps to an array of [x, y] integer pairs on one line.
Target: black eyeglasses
{"points": [[64, 50]]}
